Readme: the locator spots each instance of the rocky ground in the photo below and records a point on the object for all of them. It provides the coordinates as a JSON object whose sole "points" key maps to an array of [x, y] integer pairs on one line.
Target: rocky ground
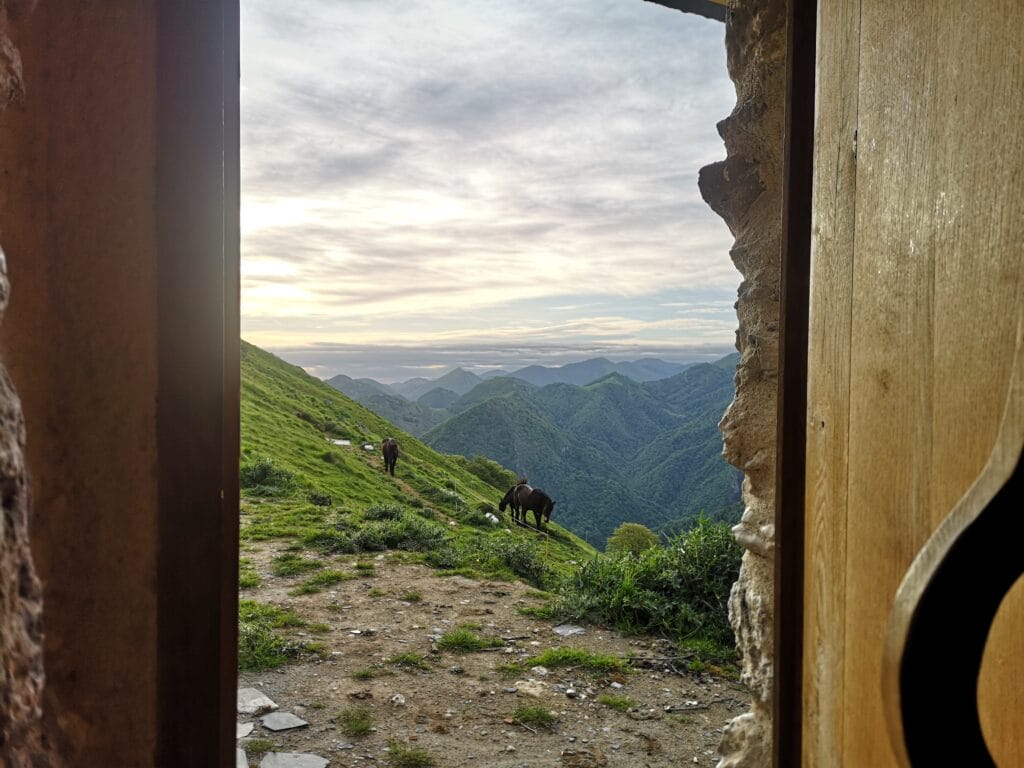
{"points": [[460, 709]]}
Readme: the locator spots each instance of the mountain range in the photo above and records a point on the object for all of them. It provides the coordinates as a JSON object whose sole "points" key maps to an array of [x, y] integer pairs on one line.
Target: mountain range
{"points": [[643, 448]]}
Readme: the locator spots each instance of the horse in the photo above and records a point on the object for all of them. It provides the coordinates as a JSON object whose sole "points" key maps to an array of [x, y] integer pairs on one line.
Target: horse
{"points": [[389, 448], [522, 498]]}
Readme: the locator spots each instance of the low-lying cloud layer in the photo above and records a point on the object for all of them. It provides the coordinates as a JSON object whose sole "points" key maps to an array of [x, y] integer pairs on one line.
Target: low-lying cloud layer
{"points": [[484, 174]]}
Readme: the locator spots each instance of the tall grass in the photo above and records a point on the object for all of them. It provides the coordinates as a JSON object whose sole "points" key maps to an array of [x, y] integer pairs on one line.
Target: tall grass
{"points": [[680, 591]]}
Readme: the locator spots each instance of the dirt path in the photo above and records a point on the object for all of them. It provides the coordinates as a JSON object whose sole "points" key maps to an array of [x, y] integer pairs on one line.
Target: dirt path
{"points": [[460, 708]]}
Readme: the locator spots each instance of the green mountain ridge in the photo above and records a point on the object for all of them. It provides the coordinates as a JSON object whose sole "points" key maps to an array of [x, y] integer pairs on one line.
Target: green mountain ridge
{"points": [[612, 451]]}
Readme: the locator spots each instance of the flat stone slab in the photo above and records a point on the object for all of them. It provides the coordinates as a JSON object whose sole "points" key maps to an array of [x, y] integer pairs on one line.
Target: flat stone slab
{"points": [[253, 702], [243, 729], [240, 761], [292, 760], [282, 721]]}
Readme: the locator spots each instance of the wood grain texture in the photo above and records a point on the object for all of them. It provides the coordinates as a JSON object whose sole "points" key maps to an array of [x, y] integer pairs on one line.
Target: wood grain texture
{"points": [[1001, 685], [938, 205], [828, 385], [938, 554]]}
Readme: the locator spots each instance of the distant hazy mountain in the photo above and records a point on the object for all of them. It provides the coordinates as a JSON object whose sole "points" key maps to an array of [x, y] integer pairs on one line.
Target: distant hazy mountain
{"points": [[415, 418], [458, 381], [358, 389], [461, 381], [493, 374], [438, 397], [591, 370], [611, 451]]}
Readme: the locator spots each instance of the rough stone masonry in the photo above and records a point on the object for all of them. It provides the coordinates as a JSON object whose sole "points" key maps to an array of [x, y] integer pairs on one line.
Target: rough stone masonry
{"points": [[746, 190], [21, 653]]}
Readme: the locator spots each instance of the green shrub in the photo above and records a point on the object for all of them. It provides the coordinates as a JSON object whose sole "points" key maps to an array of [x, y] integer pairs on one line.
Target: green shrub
{"points": [[321, 580], [372, 537], [259, 647], [247, 576], [290, 564], [383, 512], [409, 661], [535, 717], [331, 541], [464, 640], [577, 657], [475, 517], [619, 703], [633, 538], [258, 747], [355, 721], [522, 557], [447, 555], [680, 591], [318, 499], [409, 757], [264, 478]]}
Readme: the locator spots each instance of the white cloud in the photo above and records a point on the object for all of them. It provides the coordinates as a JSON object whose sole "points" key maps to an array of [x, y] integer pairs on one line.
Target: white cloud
{"points": [[435, 166]]}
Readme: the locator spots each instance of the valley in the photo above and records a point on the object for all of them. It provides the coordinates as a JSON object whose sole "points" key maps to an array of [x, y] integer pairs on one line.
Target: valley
{"points": [[611, 442]]}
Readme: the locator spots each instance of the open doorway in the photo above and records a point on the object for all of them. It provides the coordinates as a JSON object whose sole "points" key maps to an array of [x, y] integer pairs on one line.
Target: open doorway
{"points": [[479, 192]]}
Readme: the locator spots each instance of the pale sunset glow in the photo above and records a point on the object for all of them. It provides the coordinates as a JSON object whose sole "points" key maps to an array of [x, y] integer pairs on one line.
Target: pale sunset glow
{"points": [[429, 183]]}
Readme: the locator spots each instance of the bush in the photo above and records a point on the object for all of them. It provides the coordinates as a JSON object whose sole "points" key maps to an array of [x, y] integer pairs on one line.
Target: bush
{"points": [[372, 537], [355, 721], [476, 517], [318, 499], [535, 716], [465, 640], [521, 557], [447, 555], [680, 591], [331, 541], [262, 476], [291, 564], [409, 532], [633, 538], [259, 648], [383, 512]]}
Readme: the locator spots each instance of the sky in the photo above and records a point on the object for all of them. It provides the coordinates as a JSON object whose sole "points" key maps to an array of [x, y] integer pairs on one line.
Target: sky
{"points": [[481, 183]]}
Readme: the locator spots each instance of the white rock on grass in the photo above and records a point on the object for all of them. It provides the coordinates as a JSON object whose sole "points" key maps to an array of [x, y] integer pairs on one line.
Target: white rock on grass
{"points": [[240, 761], [253, 702], [243, 729]]}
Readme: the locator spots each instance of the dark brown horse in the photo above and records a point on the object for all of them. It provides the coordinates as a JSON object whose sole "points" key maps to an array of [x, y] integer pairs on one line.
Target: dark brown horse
{"points": [[389, 447], [521, 498]]}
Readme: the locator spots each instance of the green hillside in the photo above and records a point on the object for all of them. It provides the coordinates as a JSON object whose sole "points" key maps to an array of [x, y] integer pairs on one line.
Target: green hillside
{"points": [[612, 451], [298, 484]]}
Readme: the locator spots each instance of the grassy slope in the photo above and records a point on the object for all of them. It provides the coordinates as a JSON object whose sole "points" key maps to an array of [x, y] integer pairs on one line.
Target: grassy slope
{"points": [[287, 415]]}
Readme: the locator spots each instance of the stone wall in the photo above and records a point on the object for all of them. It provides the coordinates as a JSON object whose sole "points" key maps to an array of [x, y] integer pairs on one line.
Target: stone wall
{"points": [[21, 662], [21, 665], [746, 190]]}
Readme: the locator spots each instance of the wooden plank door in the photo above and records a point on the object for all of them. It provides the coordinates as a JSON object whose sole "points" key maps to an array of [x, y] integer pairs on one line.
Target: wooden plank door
{"points": [[917, 282]]}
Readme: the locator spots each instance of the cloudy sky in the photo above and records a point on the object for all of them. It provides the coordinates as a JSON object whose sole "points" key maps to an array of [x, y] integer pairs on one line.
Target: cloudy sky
{"points": [[432, 183]]}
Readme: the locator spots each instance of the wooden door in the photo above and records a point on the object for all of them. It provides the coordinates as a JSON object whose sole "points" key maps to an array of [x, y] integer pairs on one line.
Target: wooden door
{"points": [[917, 287]]}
